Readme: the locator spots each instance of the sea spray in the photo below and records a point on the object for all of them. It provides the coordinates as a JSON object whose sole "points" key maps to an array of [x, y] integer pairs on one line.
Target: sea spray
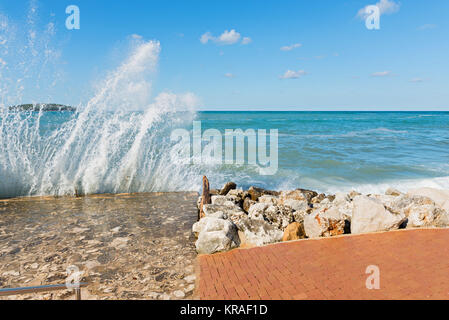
{"points": [[102, 148]]}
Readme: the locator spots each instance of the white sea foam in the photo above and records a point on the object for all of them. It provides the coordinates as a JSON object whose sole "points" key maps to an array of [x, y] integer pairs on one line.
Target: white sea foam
{"points": [[105, 146], [332, 186]]}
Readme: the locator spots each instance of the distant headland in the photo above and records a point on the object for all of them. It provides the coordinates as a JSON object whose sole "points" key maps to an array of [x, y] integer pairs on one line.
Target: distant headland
{"points": [[42, 107]]}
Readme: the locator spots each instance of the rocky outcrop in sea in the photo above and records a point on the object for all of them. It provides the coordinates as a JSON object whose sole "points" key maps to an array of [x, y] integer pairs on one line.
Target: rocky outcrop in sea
{"points": [[231, 217]]}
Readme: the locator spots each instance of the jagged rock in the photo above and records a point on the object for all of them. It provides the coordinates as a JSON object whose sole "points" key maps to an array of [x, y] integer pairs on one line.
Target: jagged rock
{"points": [[298, 216], [440, 197], [215, 235], [247, 203], [220, 200], [227, 187], [279, 216], [294, 231], [237, 219], [403, 203], [236, 193], [393, 192], [257, 211], [255, 193], [271, 200], [423, 216], [308, 193], [258, 232], [370, 215], [442, 221], [318, 198], [324, 222], [343, 203], [236, 196], [297, 205], [298, 194], [225, 210], [292, 195]]}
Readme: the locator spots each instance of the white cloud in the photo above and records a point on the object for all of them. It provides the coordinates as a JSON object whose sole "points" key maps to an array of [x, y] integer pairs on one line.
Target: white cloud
{"points": [[381, 74], [136, 36], [427, 26], [228, 37], [229, 75], [385, 7], [246, 40], [290, 74], [206, 37], [2, 62], [289, 48]]}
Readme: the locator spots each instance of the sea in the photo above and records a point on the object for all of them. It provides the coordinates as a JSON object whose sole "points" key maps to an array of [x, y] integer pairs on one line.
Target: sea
{"points": [[93, 151]]}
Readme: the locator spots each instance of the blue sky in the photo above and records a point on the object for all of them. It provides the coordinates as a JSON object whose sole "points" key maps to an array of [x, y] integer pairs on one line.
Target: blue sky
{"points": [[301, 55]]}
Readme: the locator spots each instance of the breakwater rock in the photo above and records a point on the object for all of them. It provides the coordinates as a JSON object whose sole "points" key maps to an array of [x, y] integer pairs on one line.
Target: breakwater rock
{"points": [[255, 217]]}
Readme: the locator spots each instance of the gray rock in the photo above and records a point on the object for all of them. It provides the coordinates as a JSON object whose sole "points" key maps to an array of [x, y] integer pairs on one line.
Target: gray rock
{"points": [[279, 216], [296, 205], [258, 232], [216, 235], [227, 209], [257, 211], [271, 200]]}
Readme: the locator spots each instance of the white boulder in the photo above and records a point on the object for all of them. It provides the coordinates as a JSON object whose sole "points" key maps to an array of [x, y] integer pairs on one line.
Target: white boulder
{"points": [[370, 215], [324, 222], [215, 235], [440, 197]]}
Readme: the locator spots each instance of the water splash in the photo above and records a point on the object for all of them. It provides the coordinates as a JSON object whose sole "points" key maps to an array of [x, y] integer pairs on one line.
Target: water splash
{"points": [[104, 147]]}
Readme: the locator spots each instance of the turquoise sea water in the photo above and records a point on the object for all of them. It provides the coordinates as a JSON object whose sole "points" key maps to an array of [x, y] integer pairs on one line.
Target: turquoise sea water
{"points": [[329, 151], [67, 153]]}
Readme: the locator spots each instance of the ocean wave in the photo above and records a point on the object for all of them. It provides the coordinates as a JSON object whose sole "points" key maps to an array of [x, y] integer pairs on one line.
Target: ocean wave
{"points": [[380, 130], [103, 148]]}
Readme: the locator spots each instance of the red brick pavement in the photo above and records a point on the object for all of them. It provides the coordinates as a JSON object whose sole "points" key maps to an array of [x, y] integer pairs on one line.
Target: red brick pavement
{"points": [[414, 264]]}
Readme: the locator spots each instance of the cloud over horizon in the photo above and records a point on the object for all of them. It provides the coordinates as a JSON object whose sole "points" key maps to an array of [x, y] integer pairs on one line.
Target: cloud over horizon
{"points": [[290, 74], [228, 37], [381, 74], [291, 47]]}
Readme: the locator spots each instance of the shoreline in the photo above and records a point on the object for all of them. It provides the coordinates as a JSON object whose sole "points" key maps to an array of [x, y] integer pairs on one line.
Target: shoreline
{"points": [[133, 246], [143, 245]]}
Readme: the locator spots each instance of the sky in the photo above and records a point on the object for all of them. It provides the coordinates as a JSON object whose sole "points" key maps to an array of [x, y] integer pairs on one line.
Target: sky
{"points": [[254, 55]]}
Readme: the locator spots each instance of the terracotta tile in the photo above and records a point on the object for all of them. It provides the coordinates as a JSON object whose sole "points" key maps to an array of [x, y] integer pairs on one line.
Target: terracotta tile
{"points": [[413, 265]]}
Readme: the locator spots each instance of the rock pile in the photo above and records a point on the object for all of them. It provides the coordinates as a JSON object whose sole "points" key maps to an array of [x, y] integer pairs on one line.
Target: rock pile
{"points": [[257, 217]]}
